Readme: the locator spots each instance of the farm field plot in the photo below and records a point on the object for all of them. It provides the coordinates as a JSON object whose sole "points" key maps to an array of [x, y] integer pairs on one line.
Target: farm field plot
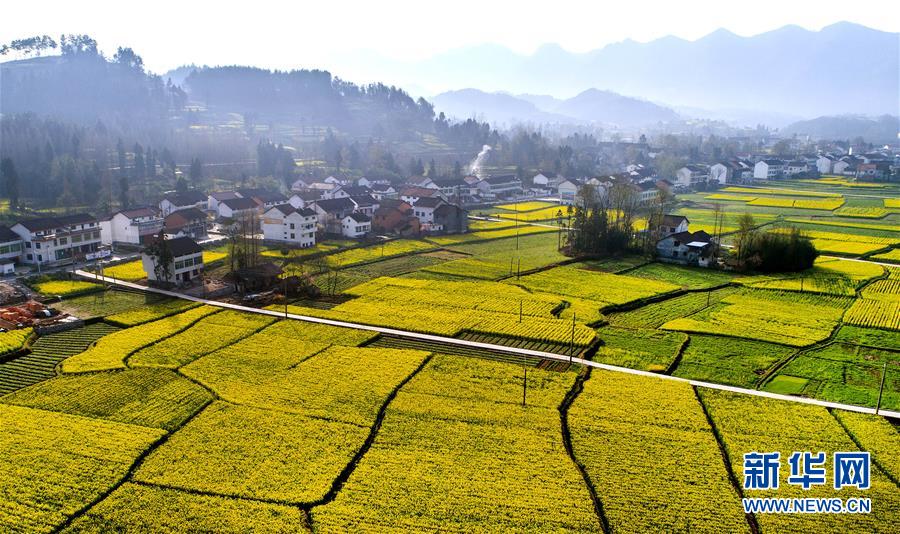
{"points": [[149, 312], [873, 337], [686, 277], [748, 424], [110, 351], [800, 203], [54, 464], [841, 373], [828, 275], [774, 191], [892, 203], [46, 353], [134, 507], [457, 451], [847, 248], [66, 288], [303, 380], [658, 313], [632, 434], [483, 307], [575, 281], [534, 205], [131, 271], [343, 279], [491, 234], [145, 397], [499, 258], [376, 252], [240, 451], [836, 225], [876, 313], [294, 253], [109, 302], [787, 318], [736, 362], [206, 335], [13, 340], [863, 212], [877, 436], [643, 349], [891, 256], [544, 214]]}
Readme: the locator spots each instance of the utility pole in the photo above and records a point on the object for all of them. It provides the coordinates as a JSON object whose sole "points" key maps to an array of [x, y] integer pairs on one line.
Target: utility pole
{"points": [[520, 310], [524, 379], [881, 390]]}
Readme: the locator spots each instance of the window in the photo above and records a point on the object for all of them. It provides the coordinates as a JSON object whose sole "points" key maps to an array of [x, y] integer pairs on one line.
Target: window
{"points": [[28, 245], [292, 226], [76, 239], [677, 243], [29, 256], [65, 240], [37, 245], [292, 235]]}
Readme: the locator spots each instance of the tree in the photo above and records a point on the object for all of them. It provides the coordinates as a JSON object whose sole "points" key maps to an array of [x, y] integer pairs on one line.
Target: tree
{"points": [[432, 169], [123, 192], [162, 257], [123, 161], [139, 170], [127, 58], [10, 181], [744, 234], [181, 185], [196, 171]]}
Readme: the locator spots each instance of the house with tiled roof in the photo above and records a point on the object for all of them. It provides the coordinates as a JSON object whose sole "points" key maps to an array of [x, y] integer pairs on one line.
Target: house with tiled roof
{"points": [[130, 227], [286, 224], [192, 198]]}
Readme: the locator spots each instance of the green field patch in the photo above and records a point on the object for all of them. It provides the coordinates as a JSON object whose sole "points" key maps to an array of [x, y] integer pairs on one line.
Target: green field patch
{"points": [[722, 360], [642, 349], [787, 385]]}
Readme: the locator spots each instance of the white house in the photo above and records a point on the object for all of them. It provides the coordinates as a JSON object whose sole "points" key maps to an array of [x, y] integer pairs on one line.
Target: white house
{"points": [[411, 195], [130, 227], [424, 209], [382, 191], [186, 263], [300, 184], [825, 164], [213, 199], [672, 224], [793, 168], [685, 248], [10, 248], [356, 225], [691, 175], [235, 208], [286, 224], [347, 191], [54, 240], [504, 185], [540, 180], [768, 169], [364, 182], [190, 222], [331, 212], [568, 191], [422, 181], [181, 201]]}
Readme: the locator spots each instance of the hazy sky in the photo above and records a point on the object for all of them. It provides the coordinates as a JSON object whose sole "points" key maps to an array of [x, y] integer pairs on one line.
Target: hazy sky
{"points": [[323, 34]]}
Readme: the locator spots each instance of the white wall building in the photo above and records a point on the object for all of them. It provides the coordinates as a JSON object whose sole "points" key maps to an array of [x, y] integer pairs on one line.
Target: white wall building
{"points": [[286, 224], [55, 240], [186, 265], [130, 227], [356, 225]]}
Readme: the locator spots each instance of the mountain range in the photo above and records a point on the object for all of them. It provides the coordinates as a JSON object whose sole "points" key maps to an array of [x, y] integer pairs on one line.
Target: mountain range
{"points": [[842, 68], [590, 106]]}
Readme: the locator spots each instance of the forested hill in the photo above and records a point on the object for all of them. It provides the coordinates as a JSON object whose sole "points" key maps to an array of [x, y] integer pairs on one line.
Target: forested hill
{"points": [[81, 85], [310, 97]]}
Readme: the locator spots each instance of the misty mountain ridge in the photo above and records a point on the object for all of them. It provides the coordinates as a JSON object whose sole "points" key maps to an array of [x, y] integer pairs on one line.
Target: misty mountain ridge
{"points": [[843, 68], [590, 106]]}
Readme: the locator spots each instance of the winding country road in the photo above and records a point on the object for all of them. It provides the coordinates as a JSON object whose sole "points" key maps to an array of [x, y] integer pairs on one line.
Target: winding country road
{"points": [[416, 336]]}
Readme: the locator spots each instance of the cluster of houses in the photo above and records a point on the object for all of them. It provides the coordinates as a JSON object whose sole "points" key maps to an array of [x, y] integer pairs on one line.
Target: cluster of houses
{"points": [[873, 166]]}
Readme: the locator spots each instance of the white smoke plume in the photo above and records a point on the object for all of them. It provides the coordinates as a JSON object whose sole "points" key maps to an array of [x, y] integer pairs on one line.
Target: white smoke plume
{"points": [[475, 166]]}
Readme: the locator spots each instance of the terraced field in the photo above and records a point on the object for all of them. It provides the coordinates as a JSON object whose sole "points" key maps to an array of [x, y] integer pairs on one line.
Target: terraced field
{"points": [[46, 353]]}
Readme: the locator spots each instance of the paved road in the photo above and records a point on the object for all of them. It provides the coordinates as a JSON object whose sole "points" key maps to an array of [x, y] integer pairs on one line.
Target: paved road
{"points": [[487, 346]]}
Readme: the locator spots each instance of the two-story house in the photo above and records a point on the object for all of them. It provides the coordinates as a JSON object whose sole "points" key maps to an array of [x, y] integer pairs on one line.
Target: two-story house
{"points": [[57, 240], [130, 227], [181, 201], [286, 224]]}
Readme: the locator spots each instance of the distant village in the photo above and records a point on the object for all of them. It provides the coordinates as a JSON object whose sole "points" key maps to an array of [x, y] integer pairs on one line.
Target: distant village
{"points": [[359, 208]]}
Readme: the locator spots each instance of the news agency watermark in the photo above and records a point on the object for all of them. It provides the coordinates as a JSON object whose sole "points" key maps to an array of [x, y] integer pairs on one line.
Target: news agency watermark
{"points": [[807, 470]]}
